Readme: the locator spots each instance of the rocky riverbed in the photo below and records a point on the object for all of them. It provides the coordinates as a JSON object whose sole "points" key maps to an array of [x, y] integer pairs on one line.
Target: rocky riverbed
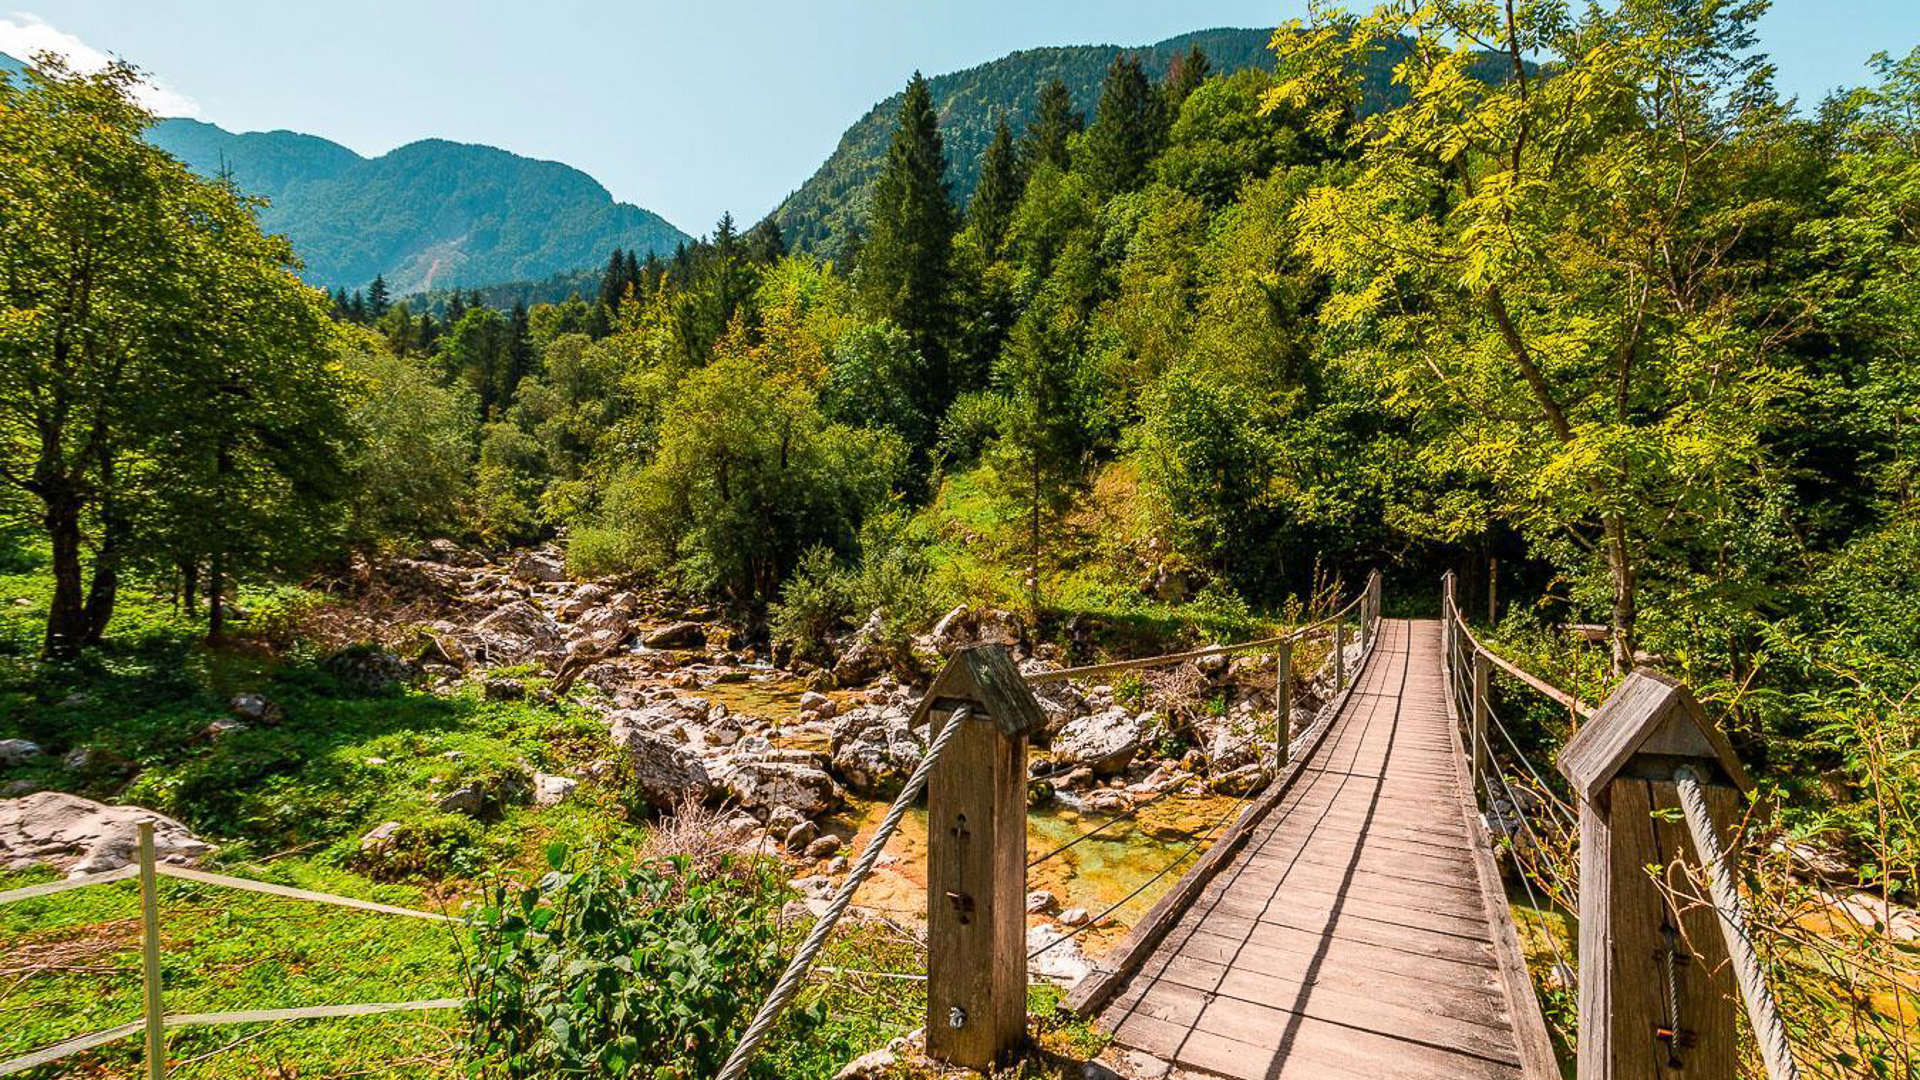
{"points": [[801, 758]]}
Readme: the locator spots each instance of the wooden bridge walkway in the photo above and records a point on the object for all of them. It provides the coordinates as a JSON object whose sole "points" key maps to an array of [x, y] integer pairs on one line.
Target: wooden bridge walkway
{"points": [[1361, 932]]}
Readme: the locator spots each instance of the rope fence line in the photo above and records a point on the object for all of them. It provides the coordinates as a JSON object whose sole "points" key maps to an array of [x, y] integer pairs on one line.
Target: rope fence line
{"points": [[157, 1020]]}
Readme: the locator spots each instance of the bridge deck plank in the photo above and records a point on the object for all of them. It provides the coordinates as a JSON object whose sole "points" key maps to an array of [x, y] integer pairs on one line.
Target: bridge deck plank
{"points": [[1351, 938]]}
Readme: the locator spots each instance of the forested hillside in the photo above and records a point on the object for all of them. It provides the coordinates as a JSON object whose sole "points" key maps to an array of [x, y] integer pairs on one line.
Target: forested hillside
{"points": [[431, 214], [826, 211]]}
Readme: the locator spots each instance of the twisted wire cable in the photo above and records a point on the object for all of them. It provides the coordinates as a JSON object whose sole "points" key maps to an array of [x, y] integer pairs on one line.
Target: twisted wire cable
{"points": [[1762, 1012], [796, 973]]}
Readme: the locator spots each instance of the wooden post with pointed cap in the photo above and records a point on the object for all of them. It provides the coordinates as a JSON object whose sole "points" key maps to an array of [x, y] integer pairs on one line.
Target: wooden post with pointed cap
{"points": [[1656, 995], [977, 859]]}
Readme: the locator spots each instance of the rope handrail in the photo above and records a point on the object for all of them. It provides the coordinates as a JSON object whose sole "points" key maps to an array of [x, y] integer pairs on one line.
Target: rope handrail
{"points": [[797, 968], [1762, 1011], [1296, 634], [1572, 703]]}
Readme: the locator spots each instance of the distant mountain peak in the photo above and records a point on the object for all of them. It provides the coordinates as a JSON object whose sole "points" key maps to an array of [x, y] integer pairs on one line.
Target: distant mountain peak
{"points": [[428, 215]]}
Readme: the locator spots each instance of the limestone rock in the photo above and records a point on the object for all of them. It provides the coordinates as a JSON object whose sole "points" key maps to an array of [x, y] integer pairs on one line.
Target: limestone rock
{"points": [[823, 847], [757, 783], [81, 836], [18, 751], [551, 790], [516, 631], [253, 708], [801, 835], [877, 1065], [1040, 901], [1104, 741], [874, 750], [679, 635], [661, 772], [542, 565]]}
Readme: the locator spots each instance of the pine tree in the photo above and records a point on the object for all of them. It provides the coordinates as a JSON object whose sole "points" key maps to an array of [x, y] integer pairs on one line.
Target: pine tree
{"points": [[1184, 76], [1128, 128], [377, 300], [613, 281], [456, 307], [906, 262], [1054, 125], [634, 283], [357, 308], [519, 350], [765, 242], [997, 195]]}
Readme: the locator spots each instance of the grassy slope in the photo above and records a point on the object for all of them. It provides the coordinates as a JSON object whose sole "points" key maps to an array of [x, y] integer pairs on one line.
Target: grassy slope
{"points": [[288, 803]]}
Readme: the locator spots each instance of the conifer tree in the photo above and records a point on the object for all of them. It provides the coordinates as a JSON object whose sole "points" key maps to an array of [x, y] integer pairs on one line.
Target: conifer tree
{"points": [[1054, 124], [519, 348], [378, 302], [357, 308], [1002, 180], [613, 281], [1184, 76], [1128, 128], [632, 274], [906, 262], [456, 307], [765, 243]]}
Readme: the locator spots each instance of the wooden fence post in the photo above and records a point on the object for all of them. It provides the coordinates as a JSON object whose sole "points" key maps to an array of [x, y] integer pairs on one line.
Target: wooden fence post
{"points": [[1339, 654], [156, 1016], [1656, 991], [1493, 591], [1482, 709], [977, 860], [1282, 704]]}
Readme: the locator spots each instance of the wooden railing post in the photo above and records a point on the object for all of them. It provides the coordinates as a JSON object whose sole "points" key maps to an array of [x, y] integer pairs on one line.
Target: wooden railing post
{"points": [[1339, 654], [156, 1013], [977, 859], [1656, 995], [1282, 704], [1482, 709]]}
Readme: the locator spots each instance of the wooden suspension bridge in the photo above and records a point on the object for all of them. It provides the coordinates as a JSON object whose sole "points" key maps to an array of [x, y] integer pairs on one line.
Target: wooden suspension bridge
{"points": [[1352, 922]]}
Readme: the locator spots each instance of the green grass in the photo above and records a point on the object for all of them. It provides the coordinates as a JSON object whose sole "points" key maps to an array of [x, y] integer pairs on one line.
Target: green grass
{"points": [[72, 965], [298, 792]]}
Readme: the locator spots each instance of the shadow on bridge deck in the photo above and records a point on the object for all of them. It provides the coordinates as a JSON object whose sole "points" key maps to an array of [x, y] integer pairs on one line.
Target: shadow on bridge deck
{"points": [[1360, 932]]}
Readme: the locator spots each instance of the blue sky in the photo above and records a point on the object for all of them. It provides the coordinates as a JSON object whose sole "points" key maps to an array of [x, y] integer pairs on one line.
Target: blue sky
{"points": [[687, 107]]}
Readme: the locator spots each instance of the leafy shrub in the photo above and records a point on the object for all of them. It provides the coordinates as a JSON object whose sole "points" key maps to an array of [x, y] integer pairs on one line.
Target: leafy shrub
{"points": [[814, 604], [607, 972], [431, 845]]}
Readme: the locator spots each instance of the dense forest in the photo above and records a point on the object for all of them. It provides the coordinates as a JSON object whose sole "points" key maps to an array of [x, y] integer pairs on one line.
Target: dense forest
{"points": [[1578, 295]]}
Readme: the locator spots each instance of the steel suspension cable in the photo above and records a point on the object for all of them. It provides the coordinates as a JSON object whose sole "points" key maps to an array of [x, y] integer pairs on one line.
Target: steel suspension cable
{"points": [[1553, 943], [796, 973], [1762, 1012]]}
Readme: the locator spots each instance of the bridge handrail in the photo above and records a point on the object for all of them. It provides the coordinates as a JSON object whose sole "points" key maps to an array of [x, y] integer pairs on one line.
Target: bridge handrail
{"points": [[1458, 623], [1616, 758], [1257, 644]]}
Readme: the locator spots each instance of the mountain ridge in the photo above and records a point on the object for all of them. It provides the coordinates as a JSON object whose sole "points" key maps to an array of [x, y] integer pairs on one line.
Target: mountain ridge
{"points": [[431, 214]]}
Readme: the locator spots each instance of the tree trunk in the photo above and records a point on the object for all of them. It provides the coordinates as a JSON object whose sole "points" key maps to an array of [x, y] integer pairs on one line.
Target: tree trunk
{"points": [[67, 617], [105, 588], [216, 606], [1620, 570], [190, 587], [1033, 563]]}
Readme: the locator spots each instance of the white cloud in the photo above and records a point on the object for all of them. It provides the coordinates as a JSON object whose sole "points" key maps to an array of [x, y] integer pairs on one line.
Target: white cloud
{"points": [[22, 35]]}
